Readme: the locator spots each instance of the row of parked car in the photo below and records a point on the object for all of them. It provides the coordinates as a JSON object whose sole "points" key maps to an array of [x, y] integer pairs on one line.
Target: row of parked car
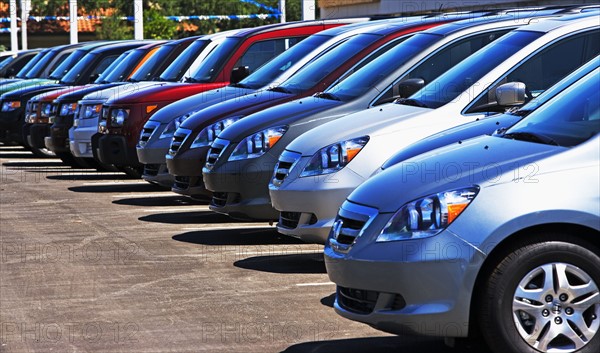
{"points": [[448, 162]]}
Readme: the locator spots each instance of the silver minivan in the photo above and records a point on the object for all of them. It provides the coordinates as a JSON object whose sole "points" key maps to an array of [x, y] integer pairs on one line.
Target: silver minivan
{"points": [[324, 165], [499, 234]]}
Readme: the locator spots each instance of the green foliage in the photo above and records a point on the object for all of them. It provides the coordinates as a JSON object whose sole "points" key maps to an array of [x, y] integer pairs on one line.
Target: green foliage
{"points": [[114, 28], [158, 27]]}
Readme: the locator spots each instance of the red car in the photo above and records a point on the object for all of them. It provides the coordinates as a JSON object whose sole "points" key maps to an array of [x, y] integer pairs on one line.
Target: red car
{"points": [[123, 117]]}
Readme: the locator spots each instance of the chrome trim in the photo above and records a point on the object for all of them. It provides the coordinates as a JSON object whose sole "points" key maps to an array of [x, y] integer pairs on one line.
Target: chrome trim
{"points": [[354, 212]]}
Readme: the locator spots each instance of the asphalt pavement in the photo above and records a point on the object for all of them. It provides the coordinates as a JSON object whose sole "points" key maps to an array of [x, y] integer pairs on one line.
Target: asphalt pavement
{"points": [[97, 262]]}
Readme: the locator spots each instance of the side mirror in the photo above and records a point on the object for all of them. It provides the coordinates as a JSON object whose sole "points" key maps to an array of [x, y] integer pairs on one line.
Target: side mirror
{"points": [[510, 94], [11, 72], [94, 77], [239, 73], [408, 87]]}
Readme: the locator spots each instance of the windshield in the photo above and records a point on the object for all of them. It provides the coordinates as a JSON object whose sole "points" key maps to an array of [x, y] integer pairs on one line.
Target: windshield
{"points": [[571, 118], [372, 73], [7, 60], [72, 76], [214, 62], [312, 73], [281, 63], [25, 70], [465, 74], [120, 71], [38, 68], [66, 65], [177, 69], [147, 71]]}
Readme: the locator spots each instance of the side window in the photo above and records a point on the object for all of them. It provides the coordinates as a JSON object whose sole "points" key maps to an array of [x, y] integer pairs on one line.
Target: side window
{"points": [[59, 60], [444, 60], [546, 67], [103, 64], [263, 51]]}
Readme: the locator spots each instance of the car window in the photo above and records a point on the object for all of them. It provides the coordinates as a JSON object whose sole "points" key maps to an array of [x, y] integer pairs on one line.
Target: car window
{"points": [[176, 70], [265, 50], [443, 60], [568, 120], [272, 69], [67, 64], [104, 64], [545, 68]]}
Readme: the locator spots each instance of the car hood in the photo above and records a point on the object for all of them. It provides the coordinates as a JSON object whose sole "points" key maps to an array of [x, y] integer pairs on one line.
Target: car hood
{"points": [[238, 106], [281, 114], [198, 101], [163, 92], [51, 95], [74, 96], [485, 126], [482, 161], [17, 94], [364, 122], [120, 90], [36, 82]]}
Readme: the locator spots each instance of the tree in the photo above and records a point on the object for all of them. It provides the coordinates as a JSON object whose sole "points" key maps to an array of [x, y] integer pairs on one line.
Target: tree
{"points": [[156, 26]]}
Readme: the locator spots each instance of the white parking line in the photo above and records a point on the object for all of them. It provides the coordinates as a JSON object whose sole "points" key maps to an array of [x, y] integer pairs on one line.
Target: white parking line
{"points": [[176, 209], [117, 182], [157, 194], [315, 284]]}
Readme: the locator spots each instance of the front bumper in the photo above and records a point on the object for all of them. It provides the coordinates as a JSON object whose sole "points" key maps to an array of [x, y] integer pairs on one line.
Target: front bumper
{"points": [[186, 166], [80, 138], [59, 133], [308, 206], [37, 134], [240, 188], [113, 149], [406, 287], [158, 174], [11, 126]]}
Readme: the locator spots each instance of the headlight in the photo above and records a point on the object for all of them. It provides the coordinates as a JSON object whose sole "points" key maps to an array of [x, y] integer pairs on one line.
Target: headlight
{"points": [[91, 111], [67, 109], [209, 133], [427, 216], [118, 117], [46, 110], [173, 126], [257, 144], [10, 106], [334, 157]]}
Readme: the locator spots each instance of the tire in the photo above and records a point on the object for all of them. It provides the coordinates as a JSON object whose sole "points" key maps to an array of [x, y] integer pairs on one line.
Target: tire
{"points": [[547, 319]]}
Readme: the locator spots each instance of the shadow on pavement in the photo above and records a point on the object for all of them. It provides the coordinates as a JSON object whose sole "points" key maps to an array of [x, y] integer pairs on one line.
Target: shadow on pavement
{"points": [[240, 236], [92, 176], [294, 263], [119, 186], [191, 217], [175, 200], [328, 300], [393, 344], [36, 165]]}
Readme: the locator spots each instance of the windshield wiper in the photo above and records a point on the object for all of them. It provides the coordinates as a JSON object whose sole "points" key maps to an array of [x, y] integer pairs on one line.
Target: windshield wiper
{"points": [[189, 79], [132, 80], [411, 102], [531, 137], [327, 95], [280, 89], [239, 85]]}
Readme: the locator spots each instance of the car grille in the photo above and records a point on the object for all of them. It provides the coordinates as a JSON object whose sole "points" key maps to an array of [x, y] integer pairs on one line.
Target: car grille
{"points": [[287, 160], [147, 132], [182, 182], [351, 221], [215, 151], [178, 139], [151, 169], [219, 199], [289, 220], [357, 300]]}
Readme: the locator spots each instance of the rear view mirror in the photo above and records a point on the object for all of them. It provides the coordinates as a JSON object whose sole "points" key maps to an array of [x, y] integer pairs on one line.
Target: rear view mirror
{"points": [[239, 73], [408, 87], [510, 94]]}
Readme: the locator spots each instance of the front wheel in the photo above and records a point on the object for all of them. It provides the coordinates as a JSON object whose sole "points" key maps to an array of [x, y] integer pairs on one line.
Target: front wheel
{"points": [[544, 297]]}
